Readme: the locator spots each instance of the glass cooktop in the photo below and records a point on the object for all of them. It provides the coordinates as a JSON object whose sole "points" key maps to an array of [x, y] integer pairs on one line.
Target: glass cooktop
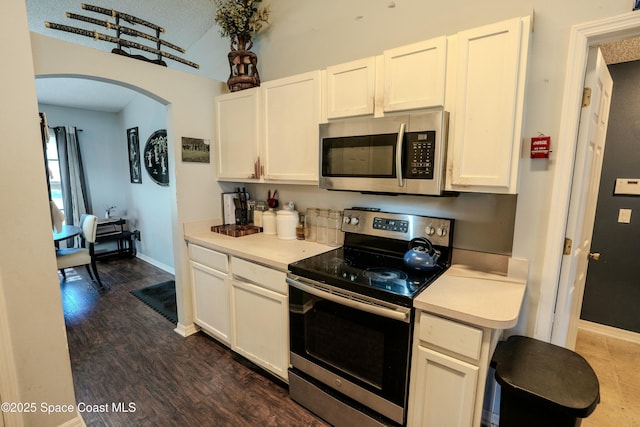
{"points": [[380, 276]]}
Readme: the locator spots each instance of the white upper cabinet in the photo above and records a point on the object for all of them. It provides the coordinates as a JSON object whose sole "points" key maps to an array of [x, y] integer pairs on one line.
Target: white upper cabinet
{"points": [[291, 108], [238, 134], [486, 117], [350, 88], [270, 133], [414, 75]]}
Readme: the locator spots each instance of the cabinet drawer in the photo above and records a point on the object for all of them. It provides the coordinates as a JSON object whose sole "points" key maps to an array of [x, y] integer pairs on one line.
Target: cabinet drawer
{"points": [[456, 337], [263, 276], [210, 258]]}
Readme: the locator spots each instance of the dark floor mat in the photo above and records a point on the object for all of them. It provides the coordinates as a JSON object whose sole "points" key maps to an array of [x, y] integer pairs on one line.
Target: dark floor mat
{"points": [[160, 297]]}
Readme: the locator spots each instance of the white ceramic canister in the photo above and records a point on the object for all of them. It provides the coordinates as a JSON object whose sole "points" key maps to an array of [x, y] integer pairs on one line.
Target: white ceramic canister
{"points": [[287, 220], [269, 222]]}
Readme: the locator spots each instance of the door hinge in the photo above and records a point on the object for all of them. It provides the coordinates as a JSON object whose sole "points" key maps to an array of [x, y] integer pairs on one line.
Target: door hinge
{"points": [[567, 246], [586, 96]]}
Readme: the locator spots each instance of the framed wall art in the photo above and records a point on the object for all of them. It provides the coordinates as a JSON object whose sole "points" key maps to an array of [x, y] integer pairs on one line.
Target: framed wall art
{"points": [[195, 150], [133, 143], [156, 157]]}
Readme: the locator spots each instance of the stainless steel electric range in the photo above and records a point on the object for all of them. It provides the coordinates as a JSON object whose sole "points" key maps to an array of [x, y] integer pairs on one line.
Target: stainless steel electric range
{"points": [[351, 318]]}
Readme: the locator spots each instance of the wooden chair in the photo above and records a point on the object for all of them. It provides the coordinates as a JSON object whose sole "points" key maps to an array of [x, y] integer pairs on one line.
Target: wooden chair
{"points": [[83, 255]]}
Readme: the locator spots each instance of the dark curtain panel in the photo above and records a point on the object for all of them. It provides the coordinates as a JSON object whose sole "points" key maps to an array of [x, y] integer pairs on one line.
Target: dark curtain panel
{"points": [[72, 177]]}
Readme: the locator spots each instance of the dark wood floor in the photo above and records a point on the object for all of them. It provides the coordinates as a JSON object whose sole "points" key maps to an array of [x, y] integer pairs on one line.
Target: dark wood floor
{"points": [[123, 352]]}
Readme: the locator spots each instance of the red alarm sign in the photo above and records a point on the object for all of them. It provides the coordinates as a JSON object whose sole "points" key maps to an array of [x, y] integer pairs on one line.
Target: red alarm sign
{"points": [[540, 147]]}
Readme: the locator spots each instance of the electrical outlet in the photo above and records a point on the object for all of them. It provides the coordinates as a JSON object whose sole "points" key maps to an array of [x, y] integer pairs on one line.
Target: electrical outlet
{"points": [[624, 216]]}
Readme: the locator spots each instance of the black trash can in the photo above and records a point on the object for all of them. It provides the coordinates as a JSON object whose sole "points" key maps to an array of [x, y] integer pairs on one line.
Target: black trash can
{"points": [[543, 384]]}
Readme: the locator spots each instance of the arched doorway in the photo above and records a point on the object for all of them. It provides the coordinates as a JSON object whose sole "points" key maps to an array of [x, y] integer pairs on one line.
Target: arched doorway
{"points": [[103, 111]]}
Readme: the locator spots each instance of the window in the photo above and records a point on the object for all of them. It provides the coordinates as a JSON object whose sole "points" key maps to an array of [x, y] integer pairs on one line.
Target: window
{"points": [[53, 165]]}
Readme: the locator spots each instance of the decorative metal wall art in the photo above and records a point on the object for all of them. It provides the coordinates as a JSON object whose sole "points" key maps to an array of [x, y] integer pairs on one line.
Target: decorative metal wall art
{"points": [[156, 157], [123, 30], [133, 144]]}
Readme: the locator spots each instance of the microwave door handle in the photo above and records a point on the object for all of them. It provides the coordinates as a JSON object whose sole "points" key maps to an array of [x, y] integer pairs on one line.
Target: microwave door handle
{"points": [[399, 152]]}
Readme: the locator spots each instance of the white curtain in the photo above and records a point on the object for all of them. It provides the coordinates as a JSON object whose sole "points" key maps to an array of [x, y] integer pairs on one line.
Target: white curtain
{"points": [[74, 188]]}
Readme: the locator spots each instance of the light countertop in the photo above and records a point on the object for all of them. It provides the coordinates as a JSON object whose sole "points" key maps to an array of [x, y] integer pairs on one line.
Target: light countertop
{"points": [[485, 299], [261, 248], [462, 293]]}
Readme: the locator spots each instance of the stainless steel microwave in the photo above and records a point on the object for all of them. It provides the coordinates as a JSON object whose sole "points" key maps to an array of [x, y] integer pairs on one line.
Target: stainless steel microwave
{"points": [[399, 154]]}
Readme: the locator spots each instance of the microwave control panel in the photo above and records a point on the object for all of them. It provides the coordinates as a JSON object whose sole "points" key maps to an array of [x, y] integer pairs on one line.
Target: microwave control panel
{"points": [[420, 154]]}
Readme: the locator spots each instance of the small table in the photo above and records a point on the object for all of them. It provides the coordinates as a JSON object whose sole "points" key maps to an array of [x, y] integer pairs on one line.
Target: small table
{"points": [[67, 232], [113, 230]]}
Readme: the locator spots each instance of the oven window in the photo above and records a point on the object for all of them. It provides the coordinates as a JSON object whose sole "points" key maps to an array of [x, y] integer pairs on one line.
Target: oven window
{"points": [[359, 156], [369, 350], [346, 348]]}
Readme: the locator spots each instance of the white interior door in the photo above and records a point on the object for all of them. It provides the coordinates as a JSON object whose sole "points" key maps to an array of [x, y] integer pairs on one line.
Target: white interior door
{"points": [[584, 196]]}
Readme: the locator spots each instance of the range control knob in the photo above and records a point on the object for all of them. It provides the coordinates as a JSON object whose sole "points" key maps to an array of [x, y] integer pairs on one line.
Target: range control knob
{"points": [[441, 231], [354, 221], [346, 219], [429, 230]]}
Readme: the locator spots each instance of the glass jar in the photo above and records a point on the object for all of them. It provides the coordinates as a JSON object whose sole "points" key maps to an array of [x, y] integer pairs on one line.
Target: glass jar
{"points": [[310, 224], [258, 211], [321, 226], [335, 235], [300, 230]]}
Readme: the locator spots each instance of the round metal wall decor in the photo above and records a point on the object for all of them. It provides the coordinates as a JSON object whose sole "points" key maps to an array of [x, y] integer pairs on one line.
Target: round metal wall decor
{"points": [[156, 157]]}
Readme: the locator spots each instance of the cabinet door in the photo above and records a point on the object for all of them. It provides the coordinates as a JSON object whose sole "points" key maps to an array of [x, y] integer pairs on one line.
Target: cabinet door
{"points": [[261, 326], [414, 75], [484, 147], [444, 391], [211, 301], [351, 88], [237, 134], [292, 115]]}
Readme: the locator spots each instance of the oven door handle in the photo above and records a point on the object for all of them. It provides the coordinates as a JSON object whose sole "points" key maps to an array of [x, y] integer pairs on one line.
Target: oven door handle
{"points": [[389, 313]]}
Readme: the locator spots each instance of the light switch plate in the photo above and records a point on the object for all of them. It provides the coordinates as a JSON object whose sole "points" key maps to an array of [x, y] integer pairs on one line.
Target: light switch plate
{"points": [[624, 216], [627, 186]]}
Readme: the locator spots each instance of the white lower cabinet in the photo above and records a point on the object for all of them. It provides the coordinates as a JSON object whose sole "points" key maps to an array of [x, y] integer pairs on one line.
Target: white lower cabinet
{"points": [[260, 313], [210, 287], [448, 369], [447, 389], [244, 305]]}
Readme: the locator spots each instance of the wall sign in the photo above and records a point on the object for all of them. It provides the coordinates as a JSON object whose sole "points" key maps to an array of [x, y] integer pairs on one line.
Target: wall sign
{"points": [[540, 147], [156, 157]]}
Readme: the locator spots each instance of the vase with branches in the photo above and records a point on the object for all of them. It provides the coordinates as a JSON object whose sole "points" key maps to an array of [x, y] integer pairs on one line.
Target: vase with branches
{"points": [[240, 20]]}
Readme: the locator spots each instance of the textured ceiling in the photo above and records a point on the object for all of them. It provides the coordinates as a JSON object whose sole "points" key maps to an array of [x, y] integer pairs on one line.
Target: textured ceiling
{"points": [[621, 51], [184, 21]]}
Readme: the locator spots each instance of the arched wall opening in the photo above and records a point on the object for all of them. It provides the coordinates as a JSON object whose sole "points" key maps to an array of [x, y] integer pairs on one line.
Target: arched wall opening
{"points": [[104, 111], [189, 113]]}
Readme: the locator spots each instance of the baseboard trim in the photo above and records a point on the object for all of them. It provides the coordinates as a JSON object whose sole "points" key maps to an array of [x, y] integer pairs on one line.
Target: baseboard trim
{"points": [[489, 419], [609, 331], [187, 330], [156, 263], [78, 421]]}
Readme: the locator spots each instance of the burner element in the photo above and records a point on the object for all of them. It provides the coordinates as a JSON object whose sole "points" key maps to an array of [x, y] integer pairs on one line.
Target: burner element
{"points": [[389, 279], [385, 274]]}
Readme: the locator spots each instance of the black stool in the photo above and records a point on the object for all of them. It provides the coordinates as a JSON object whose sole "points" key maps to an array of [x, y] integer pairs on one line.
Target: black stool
{"points": [[543, 384]]}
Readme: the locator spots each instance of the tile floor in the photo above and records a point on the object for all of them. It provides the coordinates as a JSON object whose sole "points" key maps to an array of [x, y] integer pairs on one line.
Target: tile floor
{"points": [[616, 363]]}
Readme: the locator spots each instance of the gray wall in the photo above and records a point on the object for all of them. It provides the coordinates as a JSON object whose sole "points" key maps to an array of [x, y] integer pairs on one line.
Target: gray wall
{"points": [[612, 292], [103, 144]]}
